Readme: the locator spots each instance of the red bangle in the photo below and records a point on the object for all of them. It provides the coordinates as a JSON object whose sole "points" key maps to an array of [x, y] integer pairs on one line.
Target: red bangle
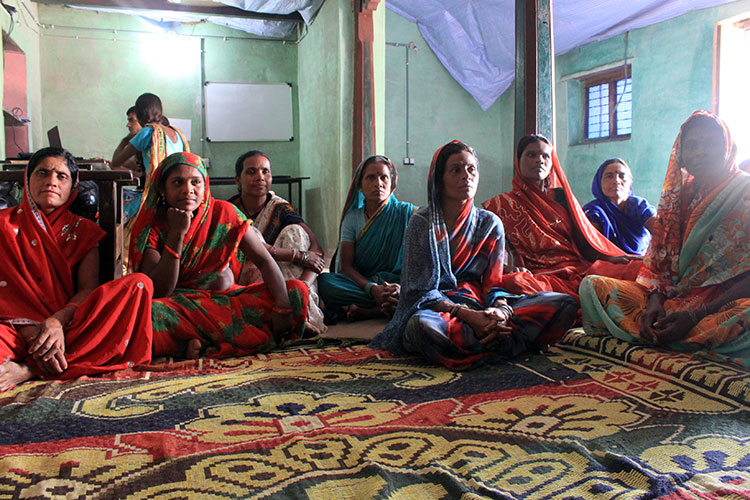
{"points": [[172, 252], [282, 310]]}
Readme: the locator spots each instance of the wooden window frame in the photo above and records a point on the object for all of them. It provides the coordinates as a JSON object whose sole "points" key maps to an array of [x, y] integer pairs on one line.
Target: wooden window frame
{"points": [[611, 77]]}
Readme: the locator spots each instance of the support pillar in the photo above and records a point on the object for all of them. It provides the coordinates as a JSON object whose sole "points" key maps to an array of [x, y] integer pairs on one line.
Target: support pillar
{"points": [[535, 69], [364, 89]]}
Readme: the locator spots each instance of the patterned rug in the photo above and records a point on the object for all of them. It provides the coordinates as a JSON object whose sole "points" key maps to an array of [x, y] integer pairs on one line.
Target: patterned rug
{"points": [[594, 418]]}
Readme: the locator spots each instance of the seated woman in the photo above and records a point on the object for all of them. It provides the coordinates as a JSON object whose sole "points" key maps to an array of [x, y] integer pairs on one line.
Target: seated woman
{"points": [[371, 245], [187, 242], [693, 292], [55, 321], [155, 141], [284, 232], [623, 218], [453, 309], [552, 243]]}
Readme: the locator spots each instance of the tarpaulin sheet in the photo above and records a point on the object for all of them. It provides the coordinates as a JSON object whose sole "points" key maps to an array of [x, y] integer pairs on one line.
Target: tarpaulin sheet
{"points": [[475, 39]]}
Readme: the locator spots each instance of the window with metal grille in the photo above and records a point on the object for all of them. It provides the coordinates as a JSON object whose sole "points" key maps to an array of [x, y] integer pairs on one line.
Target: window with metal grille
{"points": [[609, 104]]}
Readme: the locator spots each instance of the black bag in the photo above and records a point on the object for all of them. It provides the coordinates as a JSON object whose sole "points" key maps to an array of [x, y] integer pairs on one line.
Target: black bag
{"points": [[8, 191], [86, 203]]}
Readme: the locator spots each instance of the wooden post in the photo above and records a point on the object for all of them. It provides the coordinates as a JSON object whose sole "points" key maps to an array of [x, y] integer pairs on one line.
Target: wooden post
{"points": [[364, 90], [535, 69]]}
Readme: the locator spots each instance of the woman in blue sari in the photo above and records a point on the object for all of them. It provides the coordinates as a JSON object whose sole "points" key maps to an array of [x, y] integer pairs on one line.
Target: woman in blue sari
{"points": [[366, 275], [623, 218], [453, 310]]}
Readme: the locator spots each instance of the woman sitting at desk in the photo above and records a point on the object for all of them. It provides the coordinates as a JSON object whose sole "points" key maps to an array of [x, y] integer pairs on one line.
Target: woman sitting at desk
{"points": [[371, 245], [55, 321], [625, 219], [693, 292], [188, 243], [284, 232], [453, 309], [155, 141]]}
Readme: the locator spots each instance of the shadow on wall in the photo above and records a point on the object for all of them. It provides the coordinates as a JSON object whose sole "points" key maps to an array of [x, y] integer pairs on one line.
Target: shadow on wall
{"points": [[318, 223]]}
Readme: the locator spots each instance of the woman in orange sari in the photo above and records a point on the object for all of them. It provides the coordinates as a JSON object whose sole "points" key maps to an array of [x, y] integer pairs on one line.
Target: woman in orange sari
{"points": [[693, 292], [551, 243], [192, 246], [55, 321]]}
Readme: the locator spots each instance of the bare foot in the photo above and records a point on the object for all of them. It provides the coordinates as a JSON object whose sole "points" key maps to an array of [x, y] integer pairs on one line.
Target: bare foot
{"points": [[193, 349], [12, 374]]}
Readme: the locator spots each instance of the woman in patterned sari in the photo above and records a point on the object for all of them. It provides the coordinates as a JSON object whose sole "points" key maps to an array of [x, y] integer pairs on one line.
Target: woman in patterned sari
{"points": [[693, 292], [622, 217], [291, 242], [371, 245], [55, 321], [453, 309], [188, 243], [552, 243]]}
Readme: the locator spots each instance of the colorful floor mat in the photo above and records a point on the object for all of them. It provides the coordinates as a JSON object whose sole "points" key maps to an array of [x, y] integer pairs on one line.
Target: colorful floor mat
{"points": [[592, 419]]}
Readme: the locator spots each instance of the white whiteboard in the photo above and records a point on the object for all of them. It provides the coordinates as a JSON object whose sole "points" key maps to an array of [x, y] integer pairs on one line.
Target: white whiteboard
{"points": [[243, 112]]}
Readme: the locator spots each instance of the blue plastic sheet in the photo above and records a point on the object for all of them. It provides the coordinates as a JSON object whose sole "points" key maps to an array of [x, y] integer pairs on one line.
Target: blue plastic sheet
{"points": [[308, 9], [475, 39]]}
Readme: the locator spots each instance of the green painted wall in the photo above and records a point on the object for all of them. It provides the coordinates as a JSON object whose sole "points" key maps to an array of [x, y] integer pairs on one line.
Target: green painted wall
{"points": [[24, 34], [440, 110], [325, 69], [672, 77], [94, 71], [671, 68]]}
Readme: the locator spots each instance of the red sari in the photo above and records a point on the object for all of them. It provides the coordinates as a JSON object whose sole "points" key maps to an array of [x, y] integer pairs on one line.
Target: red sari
{"points": [[232, 322], [110, 330], [540, 232]]}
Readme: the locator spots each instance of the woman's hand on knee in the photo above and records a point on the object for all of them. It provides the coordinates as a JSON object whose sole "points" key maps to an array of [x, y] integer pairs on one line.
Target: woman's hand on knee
{"points": [[48, 346], [314, 261], [653, 313]]}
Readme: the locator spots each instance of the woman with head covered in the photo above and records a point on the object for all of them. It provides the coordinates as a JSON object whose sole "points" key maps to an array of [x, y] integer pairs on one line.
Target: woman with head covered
{"points": [[550, 241], [693, 292], [623, 218], [56, 321], [192, 246], [366, 275], [453, 309]]}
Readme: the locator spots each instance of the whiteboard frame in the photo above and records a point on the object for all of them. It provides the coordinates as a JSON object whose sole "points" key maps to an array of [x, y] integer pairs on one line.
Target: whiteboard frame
{"points": [[232, 110]]}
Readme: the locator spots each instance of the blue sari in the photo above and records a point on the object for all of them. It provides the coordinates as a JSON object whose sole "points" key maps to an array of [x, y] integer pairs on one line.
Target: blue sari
{"points": [[378, 249], [623, 228]]}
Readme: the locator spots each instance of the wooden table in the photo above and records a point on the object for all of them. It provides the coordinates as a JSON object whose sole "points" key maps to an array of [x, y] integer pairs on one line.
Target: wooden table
{"points": [[289, 180], [110, 184]]}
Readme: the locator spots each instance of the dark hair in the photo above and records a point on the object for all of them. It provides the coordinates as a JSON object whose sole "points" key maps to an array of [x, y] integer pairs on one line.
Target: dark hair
{"points": [[526, 140], [241, 160], [442, 158], [53, 152], [148, 109], [130, 111], [370, 161]]}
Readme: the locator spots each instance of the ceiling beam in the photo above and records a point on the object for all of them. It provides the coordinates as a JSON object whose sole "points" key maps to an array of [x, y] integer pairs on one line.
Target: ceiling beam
{"points": [[165, 5]]}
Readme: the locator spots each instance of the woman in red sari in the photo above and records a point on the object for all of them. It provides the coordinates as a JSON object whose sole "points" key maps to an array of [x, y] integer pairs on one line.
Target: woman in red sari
{"points": [[55, 322], [188, 243], [550, 241]]}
